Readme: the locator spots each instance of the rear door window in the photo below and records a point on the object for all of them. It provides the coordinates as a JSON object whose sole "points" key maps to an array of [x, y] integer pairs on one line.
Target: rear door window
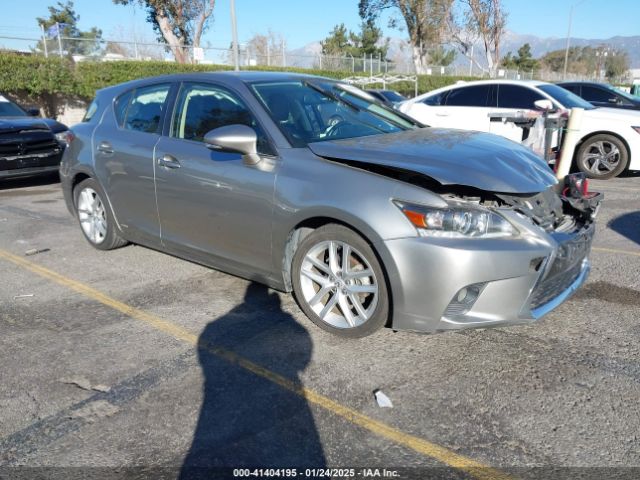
{"points": [[515, 96], [121, 106], [144, 111], [472, 96]]}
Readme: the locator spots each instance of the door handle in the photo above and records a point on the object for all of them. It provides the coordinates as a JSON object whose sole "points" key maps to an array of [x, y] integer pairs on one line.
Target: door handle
{"points": [[168, 161], [442, 114], [105, 147]]}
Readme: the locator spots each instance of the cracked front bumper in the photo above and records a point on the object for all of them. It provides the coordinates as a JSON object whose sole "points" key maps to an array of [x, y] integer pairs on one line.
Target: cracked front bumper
{"points": [[520, 279]]}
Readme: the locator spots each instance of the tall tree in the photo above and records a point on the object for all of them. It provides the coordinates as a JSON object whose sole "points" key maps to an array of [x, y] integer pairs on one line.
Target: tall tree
{"points": [[337, 43], [180, 23], [267, 48], [442, 57], [616, 65], [63, 20], [524, 61], [425, 21], [369, 41], [483, 21]]}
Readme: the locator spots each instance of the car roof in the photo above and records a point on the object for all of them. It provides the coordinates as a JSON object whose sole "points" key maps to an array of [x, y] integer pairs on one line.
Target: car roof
{"points": [[462, 83], [228, 77], [595, 84]]}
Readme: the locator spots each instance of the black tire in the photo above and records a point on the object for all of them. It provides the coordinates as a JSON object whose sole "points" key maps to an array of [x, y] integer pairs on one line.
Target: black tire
{"points": [[111, 238], [360, 250], [591, 147]]}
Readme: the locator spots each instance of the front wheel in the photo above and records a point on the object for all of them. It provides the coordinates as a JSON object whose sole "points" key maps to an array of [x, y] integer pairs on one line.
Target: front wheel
{"points": [[94, 216], [602, 157], [339, 282]]}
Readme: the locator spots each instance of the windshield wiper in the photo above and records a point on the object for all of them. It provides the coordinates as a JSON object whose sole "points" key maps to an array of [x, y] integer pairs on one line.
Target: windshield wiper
{"points": [[332, 96]]}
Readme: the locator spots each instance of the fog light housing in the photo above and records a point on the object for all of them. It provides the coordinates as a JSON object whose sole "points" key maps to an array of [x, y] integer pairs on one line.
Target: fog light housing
{"points": [[463, 300]]}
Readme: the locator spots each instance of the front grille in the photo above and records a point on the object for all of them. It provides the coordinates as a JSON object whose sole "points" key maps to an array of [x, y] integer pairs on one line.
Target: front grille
{"points": [[551, 287], [563, 270], [29, 149]]}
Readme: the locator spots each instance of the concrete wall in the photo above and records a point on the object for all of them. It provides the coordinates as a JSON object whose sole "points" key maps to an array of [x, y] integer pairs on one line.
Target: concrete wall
{"points": [[71, 113]]}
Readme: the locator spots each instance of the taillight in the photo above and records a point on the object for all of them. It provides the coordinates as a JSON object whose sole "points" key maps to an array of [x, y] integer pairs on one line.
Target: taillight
{"points": [[65, 137]]}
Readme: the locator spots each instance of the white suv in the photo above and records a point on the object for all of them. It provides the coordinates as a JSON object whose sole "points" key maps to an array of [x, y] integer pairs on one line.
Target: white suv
{"points": [[609, 138]]}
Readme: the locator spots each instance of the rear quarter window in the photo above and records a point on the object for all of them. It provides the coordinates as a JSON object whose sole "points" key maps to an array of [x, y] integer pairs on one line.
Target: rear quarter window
{"points": [[91, 111]]}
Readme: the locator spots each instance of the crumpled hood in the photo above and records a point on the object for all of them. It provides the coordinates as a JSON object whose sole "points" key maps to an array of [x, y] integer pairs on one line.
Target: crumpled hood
{"points": [[451, 157], [19, 124]]}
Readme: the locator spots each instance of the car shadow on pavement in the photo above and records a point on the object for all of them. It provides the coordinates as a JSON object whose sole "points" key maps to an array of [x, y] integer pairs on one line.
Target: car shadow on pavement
{"points": [[247, 421], [627, 225]]}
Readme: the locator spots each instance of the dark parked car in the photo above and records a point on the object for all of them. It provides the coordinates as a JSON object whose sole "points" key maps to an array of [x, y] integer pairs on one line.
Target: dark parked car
{"points": [[29, 145], [603, 95], [306, 184], [390, 97]]}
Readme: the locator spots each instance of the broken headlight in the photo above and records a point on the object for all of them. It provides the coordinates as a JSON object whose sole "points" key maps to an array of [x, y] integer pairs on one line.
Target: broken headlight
{"points": [[457, 221]]}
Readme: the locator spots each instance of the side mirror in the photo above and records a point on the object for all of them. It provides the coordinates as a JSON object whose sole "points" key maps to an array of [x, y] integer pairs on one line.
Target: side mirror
{"points": [[33, 111], [544, 105], [235, 138]]}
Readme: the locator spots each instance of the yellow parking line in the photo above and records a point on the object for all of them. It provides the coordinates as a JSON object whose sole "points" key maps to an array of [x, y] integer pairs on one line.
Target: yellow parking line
{"points": [[435, 451], [615, 250]]}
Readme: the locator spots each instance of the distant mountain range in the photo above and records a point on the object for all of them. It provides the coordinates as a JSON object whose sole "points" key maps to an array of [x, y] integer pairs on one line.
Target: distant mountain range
{"points": [[512, 41], [540, 45]]}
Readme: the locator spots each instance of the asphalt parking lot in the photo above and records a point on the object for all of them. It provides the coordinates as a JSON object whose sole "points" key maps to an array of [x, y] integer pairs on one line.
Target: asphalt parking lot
{"points": [[133, 358]]}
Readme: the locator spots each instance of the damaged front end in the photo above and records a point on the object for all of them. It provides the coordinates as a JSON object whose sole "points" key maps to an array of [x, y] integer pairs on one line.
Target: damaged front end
{"points": [[509, 276], [564, 215]]}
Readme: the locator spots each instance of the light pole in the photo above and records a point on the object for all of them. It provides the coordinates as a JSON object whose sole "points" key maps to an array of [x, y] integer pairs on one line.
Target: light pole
{"points": [[234, 33], [566, 50]]}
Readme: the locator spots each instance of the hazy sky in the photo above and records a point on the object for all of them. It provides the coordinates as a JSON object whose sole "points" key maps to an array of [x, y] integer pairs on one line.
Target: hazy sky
{"points": [[304, 21]]}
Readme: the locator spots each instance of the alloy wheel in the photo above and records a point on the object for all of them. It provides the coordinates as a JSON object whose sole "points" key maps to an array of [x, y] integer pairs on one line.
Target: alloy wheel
{"points": [[601, 157], [339, 284], [92, 215]]}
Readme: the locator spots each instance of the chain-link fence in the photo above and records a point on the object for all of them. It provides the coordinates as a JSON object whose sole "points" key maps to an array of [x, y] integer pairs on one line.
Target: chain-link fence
{"points": [[85, 49]]}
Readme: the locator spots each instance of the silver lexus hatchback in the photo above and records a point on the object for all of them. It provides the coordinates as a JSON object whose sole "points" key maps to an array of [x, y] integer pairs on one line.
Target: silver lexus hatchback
{"points": [[312, 186]]}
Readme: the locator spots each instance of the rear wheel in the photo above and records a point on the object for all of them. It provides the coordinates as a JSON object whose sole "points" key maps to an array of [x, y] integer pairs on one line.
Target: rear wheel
{"points": [[602, 157], [339, 282], [96, 222]]}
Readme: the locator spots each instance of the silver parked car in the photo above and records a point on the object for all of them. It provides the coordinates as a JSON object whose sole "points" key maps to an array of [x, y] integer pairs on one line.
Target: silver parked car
{"points": [[307, 185]]}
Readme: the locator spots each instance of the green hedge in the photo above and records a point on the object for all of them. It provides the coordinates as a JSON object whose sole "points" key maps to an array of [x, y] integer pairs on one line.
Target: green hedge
{"points": [[35, 77]]}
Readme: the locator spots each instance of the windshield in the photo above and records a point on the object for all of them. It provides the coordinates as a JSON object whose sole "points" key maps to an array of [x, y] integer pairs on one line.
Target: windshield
{"points": [[308, 112], [392, 96], [565, 97], [621, 92], [10, 109]]}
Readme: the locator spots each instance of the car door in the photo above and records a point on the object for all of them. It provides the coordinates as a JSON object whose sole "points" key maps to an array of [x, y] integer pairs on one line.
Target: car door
{"points": [[212, 205], [466, 108], [123, 151], [512, 99]]}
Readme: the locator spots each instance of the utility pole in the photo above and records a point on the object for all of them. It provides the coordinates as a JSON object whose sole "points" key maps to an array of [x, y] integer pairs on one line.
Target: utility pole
{"points": [[234, 33], [44, 42], [59, 39], [566, 50], [284, 54]]}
